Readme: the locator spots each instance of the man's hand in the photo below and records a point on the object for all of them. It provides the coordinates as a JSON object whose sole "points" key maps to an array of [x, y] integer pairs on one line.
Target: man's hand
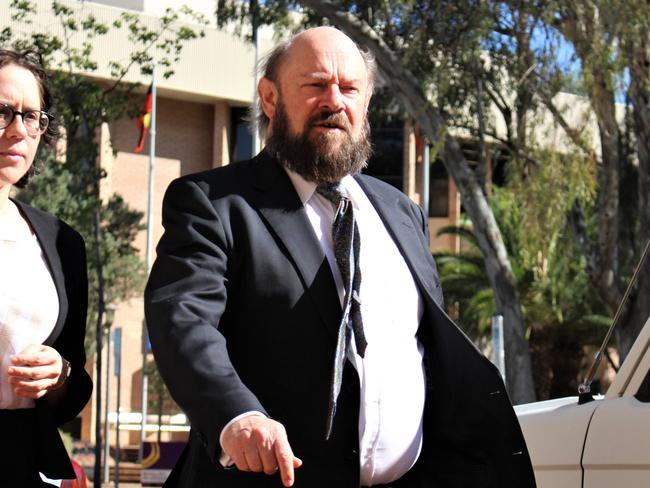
{"points": [[257, 443], [34, 371]]}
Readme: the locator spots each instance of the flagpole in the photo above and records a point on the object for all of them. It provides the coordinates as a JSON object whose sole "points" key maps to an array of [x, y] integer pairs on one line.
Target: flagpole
{"points": [[149, 252], [253, 6]]}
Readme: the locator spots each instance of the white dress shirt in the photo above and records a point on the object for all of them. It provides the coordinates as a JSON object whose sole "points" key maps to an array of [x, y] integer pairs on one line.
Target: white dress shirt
{"points": [[29, 304], [391, 373]]}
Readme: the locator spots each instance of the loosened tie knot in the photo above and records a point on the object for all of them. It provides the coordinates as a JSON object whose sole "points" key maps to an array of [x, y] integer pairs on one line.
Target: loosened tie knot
{"points": [[335, 193]]}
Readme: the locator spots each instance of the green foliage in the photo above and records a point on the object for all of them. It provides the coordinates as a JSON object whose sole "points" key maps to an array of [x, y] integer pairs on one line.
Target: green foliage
{"points": [[167, 38], [67, 441], [545, 192], [69, 183], [558, 304], [240, 15]]}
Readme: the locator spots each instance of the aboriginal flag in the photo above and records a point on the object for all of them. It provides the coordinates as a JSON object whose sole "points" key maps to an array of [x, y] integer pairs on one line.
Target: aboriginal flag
{"points": [[144, 120]]}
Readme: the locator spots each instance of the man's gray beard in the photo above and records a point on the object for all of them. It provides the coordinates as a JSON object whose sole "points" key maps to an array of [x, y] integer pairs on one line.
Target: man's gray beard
{"points": [[312, 158]]}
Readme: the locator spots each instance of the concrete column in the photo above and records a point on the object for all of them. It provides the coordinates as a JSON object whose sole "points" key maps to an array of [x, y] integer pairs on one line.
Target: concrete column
{"points": [[454, 213], [410, 158], [221, 135]]}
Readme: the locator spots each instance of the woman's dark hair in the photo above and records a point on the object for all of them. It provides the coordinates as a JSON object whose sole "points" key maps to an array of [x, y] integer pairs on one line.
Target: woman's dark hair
{"points": [[30, 62]]}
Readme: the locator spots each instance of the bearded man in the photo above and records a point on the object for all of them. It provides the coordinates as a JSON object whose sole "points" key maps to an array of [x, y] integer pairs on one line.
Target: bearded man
{"points": [[296, 315]]}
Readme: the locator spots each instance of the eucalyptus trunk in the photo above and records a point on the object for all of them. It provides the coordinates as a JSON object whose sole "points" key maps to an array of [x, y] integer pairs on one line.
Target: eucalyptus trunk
{"points": [[639, 307], [603, 275], [582, 24]]}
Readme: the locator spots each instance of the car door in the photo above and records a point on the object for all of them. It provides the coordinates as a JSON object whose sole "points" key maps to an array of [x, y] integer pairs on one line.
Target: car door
{"points": [[617, 447]]}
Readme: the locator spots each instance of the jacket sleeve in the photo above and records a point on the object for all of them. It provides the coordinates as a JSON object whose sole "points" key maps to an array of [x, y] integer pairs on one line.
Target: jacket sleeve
{"points": [[70, 344], [185, 301]]}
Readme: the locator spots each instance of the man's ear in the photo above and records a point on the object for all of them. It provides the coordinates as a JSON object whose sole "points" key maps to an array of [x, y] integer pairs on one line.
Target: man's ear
{"points": [[368, 98], [268, 93]]}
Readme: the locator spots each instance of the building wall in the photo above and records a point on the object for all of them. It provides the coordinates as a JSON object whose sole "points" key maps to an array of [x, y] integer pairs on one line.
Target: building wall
{"points": [[413, 187], [184, 132], [218, 66]]}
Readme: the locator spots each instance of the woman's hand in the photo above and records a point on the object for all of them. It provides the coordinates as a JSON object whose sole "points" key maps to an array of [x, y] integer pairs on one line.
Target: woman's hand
{"points": [[35, 371]]}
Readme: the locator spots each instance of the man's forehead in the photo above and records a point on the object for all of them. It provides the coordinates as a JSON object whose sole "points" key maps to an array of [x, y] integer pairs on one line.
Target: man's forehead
{"points": [[325, 61], [324, 37]]}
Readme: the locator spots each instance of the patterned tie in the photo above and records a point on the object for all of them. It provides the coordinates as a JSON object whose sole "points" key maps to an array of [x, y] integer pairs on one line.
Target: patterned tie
{"points": [[345, 236]]}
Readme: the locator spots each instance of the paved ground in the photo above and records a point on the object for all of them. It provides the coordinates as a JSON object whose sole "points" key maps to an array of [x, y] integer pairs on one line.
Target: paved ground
{"points": [[122, 485]]}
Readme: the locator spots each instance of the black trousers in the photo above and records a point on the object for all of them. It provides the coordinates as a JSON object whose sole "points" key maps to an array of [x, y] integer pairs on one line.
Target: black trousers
{"points": [[20, 436]]}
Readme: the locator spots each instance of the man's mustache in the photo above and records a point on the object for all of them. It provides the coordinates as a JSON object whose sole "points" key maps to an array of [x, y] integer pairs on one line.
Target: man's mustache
{"points": [[335, 119]]}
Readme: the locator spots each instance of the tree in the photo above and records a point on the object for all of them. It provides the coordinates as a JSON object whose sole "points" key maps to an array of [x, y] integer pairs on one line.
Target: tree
{"points": [[70, 183], [611, 42], [564, 315]]}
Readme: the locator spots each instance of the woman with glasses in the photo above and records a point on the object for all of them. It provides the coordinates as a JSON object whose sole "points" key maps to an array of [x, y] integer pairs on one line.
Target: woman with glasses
{"points": [[43, 293]]}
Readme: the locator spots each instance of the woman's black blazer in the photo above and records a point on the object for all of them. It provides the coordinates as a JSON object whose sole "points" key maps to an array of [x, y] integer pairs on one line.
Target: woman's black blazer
{"points": [[65, 254]]}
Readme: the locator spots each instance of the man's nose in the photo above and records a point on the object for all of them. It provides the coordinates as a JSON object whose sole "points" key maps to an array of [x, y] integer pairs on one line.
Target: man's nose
{"points": [[332, 98]]}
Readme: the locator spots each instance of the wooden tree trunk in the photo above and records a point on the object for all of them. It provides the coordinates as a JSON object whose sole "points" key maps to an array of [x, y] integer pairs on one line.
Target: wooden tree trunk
{"points": [[603, 274], [499, 271], [582, 24], [639, 307]]}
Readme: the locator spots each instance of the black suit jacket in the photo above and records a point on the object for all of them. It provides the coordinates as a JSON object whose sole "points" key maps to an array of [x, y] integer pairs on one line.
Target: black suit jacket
{"points": [[242, 312], [66, 257]]}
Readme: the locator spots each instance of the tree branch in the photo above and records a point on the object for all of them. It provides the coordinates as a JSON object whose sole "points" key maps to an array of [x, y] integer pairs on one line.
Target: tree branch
{"points": [[573, 134]]}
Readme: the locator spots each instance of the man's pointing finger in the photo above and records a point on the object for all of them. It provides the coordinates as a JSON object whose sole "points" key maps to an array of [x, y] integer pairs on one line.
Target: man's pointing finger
{"points": [[287, 462]]}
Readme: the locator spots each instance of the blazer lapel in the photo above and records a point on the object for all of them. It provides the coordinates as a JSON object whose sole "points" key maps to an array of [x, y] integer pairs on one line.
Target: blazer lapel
{"points": [[279, 204], [46, 234], [405, 236]]}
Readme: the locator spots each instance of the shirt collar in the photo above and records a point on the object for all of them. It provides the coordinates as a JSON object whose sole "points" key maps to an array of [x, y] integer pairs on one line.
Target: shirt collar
{"points": [[305, 189]]}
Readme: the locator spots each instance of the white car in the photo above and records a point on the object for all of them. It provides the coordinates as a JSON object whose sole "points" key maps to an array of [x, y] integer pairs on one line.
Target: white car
{"points": [[600, 443]]}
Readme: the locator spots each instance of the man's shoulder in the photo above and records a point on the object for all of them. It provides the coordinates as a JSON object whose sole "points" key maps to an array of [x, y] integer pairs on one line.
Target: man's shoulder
{"points": [[234, 178], [375, 182], [231, 172], [390, 200], [382, 188]]}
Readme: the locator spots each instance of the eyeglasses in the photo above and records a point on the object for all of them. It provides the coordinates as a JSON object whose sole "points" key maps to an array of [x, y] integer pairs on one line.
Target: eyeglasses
{"points": [[35, 121]]}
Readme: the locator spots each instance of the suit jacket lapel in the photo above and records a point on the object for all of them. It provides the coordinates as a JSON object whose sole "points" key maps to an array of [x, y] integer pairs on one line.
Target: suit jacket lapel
{"points": [[405, 236], [46, 234], [279, 204]]}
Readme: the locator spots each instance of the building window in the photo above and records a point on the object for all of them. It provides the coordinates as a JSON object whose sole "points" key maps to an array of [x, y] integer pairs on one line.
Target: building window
{"points": [[241, 137], [387, 160], [438, 190]]}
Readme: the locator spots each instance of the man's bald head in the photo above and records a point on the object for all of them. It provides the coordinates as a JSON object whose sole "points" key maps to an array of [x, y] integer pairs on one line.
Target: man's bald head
{"points": [[306, 43]]}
